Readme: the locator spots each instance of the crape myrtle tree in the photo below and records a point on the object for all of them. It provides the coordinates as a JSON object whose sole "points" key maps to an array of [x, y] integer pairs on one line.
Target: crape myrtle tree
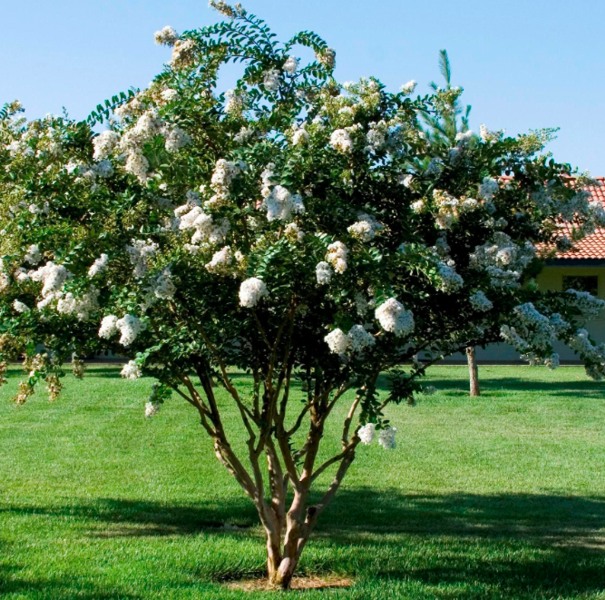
{"points": [[310, 233]]}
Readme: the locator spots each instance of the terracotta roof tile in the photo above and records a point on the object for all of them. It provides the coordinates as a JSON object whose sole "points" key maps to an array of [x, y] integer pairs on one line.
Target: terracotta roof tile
{"points": [[593, 245]]}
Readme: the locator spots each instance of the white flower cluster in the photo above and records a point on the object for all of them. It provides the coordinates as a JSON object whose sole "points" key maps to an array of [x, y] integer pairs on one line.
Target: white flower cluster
{"points": [[221, 261], [360, 339], [323, 273], [447, 209], [131, 370], [366, 433], [20, 307], [593, 353], [450, 281], [163, 286], [300, 137], [394, 318], [33, 255], [128, 326], [357, 340], [409, 87], [52, 277], [337, 256], [488, 189], [532, 331], [327, 57], [169, 94], [341, 140], [366, 228], [479, 301], [251, 291], [243, 135], [235, 103], [140, 252], [207, 231], [502, 259], [586, 303], [271, 80], [376, 136], [183, 53], [98, 266], [281, 204], [81, 307], [293, 233], [290, 65], [166, 36], [386, 436], [337, 341], [220, 183], [104, 144], [176, 138]]}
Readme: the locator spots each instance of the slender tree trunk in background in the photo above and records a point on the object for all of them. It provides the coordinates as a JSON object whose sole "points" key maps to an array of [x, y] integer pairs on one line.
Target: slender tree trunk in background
{"points": [[473, 371]]}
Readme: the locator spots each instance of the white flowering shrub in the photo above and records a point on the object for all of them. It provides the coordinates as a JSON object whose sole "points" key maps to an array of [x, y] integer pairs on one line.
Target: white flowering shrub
{"points": [[304, 231]]}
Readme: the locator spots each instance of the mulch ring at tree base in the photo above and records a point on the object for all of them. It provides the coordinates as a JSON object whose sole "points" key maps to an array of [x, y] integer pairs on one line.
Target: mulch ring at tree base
{"points": [[298, 583]]}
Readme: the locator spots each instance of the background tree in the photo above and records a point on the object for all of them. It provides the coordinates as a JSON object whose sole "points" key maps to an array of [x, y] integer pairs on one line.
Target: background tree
{"points": [[304, 231]]}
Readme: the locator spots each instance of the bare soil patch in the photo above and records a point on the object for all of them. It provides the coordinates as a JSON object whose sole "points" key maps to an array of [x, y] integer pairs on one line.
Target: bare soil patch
{"points": [[310, 582]]}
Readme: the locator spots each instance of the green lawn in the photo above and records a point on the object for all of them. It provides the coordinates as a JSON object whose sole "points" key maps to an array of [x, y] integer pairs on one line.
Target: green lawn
{"points": [[497, 497]]}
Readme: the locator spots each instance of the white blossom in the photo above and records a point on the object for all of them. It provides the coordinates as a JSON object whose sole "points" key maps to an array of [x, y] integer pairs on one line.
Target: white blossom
{"points": [[281, 204], [337, 256], [104, 144], [323, 273], [235, 103], [386, 438], [488, 188], [151, 409], [409, 87], [393, 317], [129, 327], [251, 291], [164, 287], [168, 95], [81, 306], [98, 266], [365, 229], [271, 80], [589, 305], [131, 370], [337, 341], [327, 57], [290, 65], [52, 277], [479, 301], [176, 138], [221, 261], [140, 252], [166, 36], [300, 137], [366, 433], [360, 339], [20, 307], [450, 280], [341, 140], [108, 327], [33, 255], [183, 53]]}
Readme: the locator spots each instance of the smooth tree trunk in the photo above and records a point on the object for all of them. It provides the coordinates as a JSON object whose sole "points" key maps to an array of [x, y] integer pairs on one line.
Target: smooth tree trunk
{"points": [[473, 371]]}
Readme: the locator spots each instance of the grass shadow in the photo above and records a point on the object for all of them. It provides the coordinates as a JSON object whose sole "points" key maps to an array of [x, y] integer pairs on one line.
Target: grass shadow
{"points": [[516, 545]]}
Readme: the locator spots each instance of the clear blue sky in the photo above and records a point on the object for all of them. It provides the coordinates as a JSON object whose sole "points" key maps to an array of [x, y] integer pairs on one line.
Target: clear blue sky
{"points": [[524, 64]]}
